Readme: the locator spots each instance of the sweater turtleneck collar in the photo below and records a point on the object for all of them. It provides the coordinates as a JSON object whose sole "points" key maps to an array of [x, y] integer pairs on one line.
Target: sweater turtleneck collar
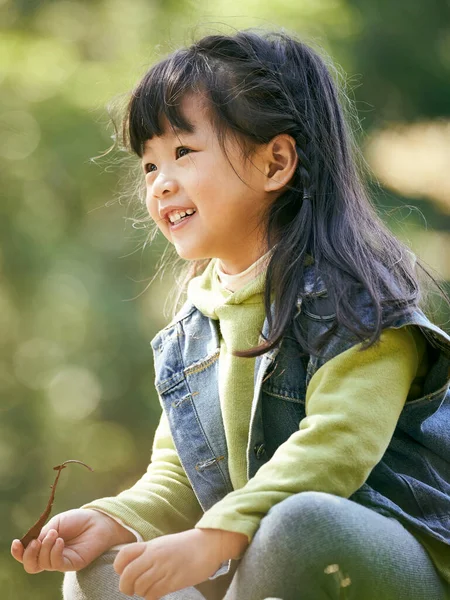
{"points": [[213, 288]]}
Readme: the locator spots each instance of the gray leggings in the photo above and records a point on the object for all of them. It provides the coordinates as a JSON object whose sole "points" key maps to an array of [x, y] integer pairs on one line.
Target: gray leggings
{"points": [[311, 546]]}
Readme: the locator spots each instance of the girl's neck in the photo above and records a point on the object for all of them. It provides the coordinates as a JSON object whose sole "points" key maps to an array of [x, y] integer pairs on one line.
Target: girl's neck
{"points": [[236, 281]]}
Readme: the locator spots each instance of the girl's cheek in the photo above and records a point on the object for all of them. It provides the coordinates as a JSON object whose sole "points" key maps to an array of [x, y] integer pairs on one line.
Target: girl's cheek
{"points": [[148, 205], [152, 208]]}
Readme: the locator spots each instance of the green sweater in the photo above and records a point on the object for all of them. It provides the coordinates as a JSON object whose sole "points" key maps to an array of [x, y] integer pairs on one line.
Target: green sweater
{"points": [[328, 443]]}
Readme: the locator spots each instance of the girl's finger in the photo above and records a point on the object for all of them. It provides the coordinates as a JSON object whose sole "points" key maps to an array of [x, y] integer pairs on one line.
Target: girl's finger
{"points": [[144, 583], [17, 550], [127, 554], [131, 573], [44, 531], [56, 555], [31, 557], [52, 524], [46, 547]]}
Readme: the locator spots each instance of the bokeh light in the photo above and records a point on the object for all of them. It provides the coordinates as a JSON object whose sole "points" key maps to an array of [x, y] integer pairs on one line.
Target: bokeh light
{"points": [[414, 159], [74, 393], [36, 362], [20, 134]]}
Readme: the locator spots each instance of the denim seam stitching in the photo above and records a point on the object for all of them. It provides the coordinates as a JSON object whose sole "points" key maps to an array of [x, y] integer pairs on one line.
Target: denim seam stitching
{"points": [[204, 365], [285, 397]]}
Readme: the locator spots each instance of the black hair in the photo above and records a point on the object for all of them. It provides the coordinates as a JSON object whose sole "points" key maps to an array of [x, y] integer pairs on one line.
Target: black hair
{"points": [[259, 85]]}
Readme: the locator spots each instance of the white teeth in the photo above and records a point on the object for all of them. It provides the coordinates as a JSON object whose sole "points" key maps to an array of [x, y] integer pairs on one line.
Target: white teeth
{"points": [[176, 216]]}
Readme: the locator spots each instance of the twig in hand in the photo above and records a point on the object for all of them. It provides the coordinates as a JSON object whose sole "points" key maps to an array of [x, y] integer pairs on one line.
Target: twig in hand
{"points": [[35, 530]]}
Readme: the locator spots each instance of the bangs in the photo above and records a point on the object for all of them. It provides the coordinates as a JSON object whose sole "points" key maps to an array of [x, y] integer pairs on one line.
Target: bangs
{"points": [[159, 95]]}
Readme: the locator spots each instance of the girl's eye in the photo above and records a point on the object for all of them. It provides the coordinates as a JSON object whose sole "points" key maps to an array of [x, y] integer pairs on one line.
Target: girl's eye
{"points": [[182, 151]]}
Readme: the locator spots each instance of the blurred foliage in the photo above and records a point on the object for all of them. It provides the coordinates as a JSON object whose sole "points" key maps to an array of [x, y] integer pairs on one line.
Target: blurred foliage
{"points": [[76, 374]]}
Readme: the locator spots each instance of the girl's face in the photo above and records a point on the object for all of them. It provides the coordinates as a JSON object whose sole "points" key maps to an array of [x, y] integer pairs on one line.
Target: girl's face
{"points": [[190, 171]]}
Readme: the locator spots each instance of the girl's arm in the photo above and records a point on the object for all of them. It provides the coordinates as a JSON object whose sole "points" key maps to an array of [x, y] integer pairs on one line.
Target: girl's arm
{"points": [[353, 403]]}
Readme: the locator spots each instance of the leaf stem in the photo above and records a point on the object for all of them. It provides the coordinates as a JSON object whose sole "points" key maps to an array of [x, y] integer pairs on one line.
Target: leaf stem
{"points": [[35, 530]]}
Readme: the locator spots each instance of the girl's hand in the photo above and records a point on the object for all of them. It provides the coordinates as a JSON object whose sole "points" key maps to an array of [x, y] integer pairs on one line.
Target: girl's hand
{"points": [[70, 541], [168, 563]]}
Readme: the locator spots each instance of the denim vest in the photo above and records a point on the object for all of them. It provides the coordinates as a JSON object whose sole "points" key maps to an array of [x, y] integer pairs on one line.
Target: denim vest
{"points": [[412, 480]]}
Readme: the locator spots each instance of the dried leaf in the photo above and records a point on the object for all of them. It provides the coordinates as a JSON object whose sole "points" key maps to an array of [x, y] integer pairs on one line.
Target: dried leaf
{"points": [[35, 530]]}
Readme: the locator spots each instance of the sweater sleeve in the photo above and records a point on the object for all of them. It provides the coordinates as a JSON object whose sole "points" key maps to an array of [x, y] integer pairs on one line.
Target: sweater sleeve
{"points": [[162, 501], [353, 403]]}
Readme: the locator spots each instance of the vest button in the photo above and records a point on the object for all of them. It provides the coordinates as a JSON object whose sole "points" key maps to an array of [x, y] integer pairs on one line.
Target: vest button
{"points": [[259, 450]]}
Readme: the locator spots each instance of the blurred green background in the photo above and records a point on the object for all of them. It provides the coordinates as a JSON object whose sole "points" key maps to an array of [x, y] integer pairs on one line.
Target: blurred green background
{"points": [[76, 374]]}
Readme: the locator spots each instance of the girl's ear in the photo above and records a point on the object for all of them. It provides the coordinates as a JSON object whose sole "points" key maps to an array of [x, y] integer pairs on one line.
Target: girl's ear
{"points": [[280, 162]]}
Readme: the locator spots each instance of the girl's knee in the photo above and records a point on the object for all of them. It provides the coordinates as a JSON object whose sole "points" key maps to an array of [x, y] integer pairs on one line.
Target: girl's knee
{"points": [[307, 509], [306, 522], [301, 536]]}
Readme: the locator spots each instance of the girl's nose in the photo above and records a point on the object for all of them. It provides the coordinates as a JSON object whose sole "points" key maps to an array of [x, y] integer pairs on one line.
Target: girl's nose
{"points": [[164, 186]]}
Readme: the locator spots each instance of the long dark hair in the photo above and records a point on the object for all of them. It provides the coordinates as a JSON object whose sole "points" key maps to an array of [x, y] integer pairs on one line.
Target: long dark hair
{"points": [[259, 85]]}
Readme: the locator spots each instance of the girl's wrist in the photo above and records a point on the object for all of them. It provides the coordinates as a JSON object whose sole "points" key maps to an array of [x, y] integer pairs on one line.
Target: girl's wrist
{"points": [[121, 535], [117, 534], [230, 543]]}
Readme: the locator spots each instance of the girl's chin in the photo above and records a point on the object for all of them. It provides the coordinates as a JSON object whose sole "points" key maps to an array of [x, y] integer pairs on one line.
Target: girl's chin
{"points": [[191, 253]]}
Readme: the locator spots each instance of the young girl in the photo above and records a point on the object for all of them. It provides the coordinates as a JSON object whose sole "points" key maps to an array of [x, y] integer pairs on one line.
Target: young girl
{"points": [[303, 450]]}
